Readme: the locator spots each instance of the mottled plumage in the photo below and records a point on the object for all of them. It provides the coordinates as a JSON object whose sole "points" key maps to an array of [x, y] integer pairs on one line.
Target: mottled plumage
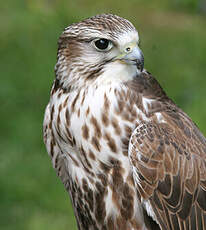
{"points": [[127, 155]]}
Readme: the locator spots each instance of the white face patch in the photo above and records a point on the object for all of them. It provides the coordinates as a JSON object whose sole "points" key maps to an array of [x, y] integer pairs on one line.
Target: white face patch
{"points": [[119, 71]]}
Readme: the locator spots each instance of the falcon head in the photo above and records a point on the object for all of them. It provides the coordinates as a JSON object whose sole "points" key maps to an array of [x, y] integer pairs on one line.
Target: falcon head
{"points": [[100, 49]]}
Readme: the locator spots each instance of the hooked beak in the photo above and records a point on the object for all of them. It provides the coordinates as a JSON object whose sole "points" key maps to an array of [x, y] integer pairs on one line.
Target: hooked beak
{"points": [[132, 55]]}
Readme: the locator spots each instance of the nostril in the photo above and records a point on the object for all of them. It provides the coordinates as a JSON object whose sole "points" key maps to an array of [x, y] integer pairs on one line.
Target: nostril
{"points": [[128, 49]]}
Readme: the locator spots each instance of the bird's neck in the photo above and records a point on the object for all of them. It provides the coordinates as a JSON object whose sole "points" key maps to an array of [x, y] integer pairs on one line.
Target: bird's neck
{"points": [[79, 75]]}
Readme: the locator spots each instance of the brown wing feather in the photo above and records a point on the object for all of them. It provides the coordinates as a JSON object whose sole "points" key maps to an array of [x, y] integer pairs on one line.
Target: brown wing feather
{"points": [[169, 160]]}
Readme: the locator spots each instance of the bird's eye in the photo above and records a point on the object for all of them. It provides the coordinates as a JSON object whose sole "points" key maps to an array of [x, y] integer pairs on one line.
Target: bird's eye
{"points": [[103, 44]]}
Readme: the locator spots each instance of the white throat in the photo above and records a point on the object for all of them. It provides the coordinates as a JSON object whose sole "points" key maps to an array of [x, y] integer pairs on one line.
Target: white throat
{"points": [[117, 72]]}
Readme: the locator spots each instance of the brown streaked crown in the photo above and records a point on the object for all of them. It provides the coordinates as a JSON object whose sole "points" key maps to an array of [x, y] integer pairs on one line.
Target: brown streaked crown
{"points": [[109, 24]]}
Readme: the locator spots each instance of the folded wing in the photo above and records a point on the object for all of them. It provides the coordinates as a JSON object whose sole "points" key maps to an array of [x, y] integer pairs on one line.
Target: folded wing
{"points": [[169, 170]]}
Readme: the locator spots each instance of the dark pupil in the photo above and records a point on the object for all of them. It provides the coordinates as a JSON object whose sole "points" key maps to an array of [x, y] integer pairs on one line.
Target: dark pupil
{"points": [[102, 44]]}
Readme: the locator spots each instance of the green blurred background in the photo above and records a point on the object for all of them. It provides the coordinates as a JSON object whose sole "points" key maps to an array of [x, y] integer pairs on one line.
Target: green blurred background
{"points": [[173, 39]]}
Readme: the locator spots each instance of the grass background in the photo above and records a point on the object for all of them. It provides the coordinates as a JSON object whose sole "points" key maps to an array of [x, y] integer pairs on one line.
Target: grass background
{"points": [[173, 39]]}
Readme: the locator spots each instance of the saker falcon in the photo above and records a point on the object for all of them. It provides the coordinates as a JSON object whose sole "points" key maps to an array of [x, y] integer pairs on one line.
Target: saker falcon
{"points": [[127, 155]]}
